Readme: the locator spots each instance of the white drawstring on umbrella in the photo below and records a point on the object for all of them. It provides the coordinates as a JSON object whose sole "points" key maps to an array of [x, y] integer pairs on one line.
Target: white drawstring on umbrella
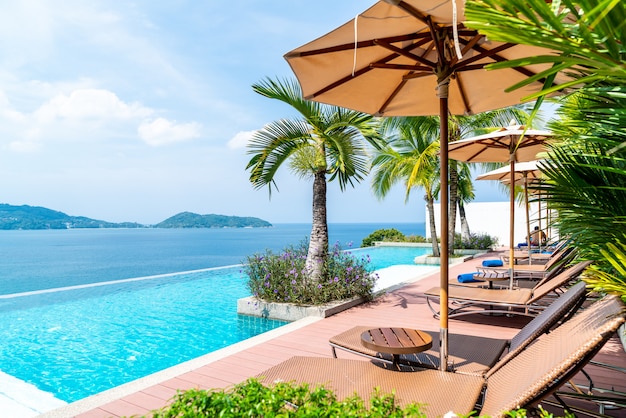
{"points": [[356, 41], [455, 31]]}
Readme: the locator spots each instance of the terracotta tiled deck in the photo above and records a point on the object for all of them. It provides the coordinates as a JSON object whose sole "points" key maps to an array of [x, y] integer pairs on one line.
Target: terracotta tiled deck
{"points": [[405, 306]]}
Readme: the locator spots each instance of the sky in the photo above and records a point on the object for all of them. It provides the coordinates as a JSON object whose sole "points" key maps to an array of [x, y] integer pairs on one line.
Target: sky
{"points": [[138, 110]]}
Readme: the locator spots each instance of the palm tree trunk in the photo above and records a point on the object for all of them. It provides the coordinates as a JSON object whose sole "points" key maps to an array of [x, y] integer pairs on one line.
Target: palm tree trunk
{"points": [[318, 243], [465, 231], [430, 205], [453, 183]]}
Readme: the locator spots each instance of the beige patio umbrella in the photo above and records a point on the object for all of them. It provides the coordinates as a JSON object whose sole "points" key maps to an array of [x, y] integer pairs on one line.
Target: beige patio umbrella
{"points": [[395, 58], [512, 144], [525, 173]]}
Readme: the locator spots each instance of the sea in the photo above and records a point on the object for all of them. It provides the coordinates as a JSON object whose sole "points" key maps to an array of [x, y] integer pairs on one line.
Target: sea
{"points": [[34, 260]]}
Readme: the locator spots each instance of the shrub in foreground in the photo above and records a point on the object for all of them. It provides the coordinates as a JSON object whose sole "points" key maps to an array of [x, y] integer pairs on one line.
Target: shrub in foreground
{"points": [[282, 277], [252, 399]]}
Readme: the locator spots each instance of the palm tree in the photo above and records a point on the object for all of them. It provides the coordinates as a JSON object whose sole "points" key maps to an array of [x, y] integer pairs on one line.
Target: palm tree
{"points": [[327, 141], [587, 172], [426, 129], [410, 156], [466, 195]]}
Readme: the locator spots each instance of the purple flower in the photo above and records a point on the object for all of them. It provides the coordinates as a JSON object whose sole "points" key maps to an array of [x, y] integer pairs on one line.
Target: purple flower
{"points": [[293, 282], [319, 286], [336, 279]]}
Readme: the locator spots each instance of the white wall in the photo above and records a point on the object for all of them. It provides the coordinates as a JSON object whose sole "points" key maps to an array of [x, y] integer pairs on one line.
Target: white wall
{"points": [[492, 218]]}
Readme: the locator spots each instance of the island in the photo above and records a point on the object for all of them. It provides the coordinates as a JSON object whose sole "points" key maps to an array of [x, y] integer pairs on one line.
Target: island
{"points": [[193, 220], [25, 217]]}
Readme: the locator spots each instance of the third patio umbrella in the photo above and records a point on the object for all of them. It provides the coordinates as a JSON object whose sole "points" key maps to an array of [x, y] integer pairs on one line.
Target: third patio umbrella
{"points": [[512, 144], [391, 59], [525, 172]]}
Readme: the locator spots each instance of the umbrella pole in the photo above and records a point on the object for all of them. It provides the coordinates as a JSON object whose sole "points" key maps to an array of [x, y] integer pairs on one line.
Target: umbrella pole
{"points": [[442, 92], [512, 223], [530, 260], [539, 219]]}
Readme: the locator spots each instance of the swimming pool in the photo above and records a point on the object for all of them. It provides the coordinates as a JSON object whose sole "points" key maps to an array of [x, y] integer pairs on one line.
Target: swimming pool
{"points": [[77, 341], [385, 256], [80, 341]]}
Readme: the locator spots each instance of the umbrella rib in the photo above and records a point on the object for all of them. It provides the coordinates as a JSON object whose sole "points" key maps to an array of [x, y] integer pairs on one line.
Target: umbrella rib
{"points": [[461, 88], [381, 110], [349, 77], [407, 67], [405, 52], [350, 46], [435, 35], [475, 37], [483, 53], [413, 12], [498, 58]]}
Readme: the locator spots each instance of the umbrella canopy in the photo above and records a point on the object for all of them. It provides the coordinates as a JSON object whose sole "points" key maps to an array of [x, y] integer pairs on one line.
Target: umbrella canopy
{"points": [[525, 173], [512, 144], [391, 59], [395, 58], [527, 169]]}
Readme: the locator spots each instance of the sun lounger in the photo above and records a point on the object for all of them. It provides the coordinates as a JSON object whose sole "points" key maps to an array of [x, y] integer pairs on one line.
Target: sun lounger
{"points": [[553, 266], [523, 301], [470, 354], [530, 376]]}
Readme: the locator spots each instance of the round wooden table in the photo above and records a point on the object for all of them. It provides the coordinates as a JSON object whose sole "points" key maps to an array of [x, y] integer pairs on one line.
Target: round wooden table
{"points": [[396, 341], [492, 277]]}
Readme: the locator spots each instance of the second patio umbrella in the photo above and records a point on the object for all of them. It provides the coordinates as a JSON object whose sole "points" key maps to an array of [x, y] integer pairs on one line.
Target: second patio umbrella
{"points": [[525, 172], [511, 144], [392, 59]]}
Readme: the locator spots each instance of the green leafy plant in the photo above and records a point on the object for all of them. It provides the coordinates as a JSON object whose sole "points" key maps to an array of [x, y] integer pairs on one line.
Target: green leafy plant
{"points": [[475, 242], [282, 277], [540, 412], [614, 280], [390, 235], [253, 399]]}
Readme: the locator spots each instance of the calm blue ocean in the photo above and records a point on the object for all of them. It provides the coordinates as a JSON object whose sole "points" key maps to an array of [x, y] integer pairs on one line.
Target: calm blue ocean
{"points": [[35, 260]]}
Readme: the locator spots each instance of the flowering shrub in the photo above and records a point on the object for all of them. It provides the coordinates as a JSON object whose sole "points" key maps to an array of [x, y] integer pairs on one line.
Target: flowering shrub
{"points": [[475, 242], [282, 277]]}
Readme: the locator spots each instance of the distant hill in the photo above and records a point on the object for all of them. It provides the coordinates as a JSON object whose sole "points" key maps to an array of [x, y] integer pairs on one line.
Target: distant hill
{"points": [[193, 220], [36, 217]]}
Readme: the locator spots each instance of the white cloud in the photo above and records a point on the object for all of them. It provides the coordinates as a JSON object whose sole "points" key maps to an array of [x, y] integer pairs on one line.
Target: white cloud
{"points": [[89, 104], [162, 131], [240, 140]]}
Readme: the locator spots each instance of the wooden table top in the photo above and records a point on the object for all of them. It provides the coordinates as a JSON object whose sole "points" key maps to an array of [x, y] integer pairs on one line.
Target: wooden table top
{"points": [[396, 340]]}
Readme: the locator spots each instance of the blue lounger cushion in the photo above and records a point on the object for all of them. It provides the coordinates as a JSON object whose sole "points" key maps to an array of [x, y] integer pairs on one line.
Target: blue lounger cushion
{"points": [[493, 263], [467, 278]]}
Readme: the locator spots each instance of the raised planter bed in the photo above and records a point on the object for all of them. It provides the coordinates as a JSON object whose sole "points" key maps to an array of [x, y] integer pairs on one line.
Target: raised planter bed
{"points": [[292, 312]]}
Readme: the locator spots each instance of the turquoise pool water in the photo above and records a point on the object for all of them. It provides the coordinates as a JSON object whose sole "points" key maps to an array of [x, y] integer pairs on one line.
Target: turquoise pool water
{"points": [[383, 256], [77, 341]]}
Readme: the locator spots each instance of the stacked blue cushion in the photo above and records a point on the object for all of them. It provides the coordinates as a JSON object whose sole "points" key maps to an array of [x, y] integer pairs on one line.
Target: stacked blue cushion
{"points": [[493, 263], [467, 278]]}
